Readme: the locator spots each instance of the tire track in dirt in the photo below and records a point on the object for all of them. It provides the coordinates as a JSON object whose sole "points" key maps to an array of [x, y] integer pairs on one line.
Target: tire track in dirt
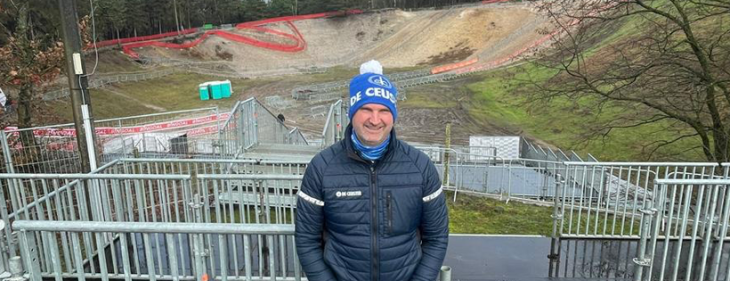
{"points": [[131, 98]]}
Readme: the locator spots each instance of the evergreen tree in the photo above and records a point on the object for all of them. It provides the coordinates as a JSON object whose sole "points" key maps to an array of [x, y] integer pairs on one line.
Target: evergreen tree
{"points": [[111, 15], [230, 11], [254, 10], [278, 8], [135, 17]]}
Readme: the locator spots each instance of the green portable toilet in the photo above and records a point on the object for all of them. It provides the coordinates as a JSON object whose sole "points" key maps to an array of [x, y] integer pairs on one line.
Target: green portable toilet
{"points": [[216, 91], [226, 88], [204, 91]]}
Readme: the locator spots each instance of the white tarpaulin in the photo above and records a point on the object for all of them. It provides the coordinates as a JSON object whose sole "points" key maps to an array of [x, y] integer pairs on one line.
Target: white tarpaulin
{"points": [[502, 147]]}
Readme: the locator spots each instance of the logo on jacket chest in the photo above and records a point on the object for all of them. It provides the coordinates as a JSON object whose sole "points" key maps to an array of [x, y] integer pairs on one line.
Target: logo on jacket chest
{"points": [[340, 194]]}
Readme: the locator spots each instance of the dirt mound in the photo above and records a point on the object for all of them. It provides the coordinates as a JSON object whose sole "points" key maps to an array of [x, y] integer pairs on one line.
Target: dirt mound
{"points": [[455, 53], [396, 38], [437, 37]]}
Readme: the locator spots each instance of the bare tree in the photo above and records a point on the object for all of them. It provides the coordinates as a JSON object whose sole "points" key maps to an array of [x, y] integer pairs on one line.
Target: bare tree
{"points": [[28, 62], [666, 62]]}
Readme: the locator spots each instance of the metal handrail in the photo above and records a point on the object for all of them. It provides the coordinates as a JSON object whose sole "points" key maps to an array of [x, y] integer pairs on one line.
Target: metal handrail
{"points": [[153, 227], [96, 176]]}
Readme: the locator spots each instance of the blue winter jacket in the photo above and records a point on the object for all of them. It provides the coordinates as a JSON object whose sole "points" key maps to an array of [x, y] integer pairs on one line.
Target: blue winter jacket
{"points": [[362, 220]]}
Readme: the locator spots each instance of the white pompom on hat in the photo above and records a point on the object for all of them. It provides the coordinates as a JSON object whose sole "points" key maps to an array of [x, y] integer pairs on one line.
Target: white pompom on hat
{"points": [[371, 66]]}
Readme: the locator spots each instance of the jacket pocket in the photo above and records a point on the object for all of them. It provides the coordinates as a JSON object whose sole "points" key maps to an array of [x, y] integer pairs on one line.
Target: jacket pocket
{"points": [[402, 212]]}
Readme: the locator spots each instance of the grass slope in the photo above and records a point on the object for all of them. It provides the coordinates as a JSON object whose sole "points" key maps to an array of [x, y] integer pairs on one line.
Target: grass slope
{"points": [[179, 91], [173, 92], [501, 98], [478, 215], [564, 123]]}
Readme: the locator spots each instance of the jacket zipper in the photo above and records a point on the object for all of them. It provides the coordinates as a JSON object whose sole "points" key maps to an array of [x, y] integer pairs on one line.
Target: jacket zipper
{"points": [[389, 206], [374, 212]]}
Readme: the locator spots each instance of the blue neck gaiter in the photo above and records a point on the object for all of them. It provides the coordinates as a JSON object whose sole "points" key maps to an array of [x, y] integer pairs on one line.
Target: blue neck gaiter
{"points": [[367, 152]]}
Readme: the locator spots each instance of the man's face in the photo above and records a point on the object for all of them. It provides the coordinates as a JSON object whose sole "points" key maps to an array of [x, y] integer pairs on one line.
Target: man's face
{"points": [[372, 123]]}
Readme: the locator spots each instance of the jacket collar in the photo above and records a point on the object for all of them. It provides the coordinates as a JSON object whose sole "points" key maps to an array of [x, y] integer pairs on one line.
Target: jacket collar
{"points": [[350, 147]]}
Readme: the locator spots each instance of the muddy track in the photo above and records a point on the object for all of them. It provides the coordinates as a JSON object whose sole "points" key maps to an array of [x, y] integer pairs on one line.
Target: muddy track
{"points": [[396, 38]]}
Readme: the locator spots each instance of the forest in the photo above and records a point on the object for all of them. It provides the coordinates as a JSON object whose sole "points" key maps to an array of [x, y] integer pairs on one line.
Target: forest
{"points": [[129, 18]]}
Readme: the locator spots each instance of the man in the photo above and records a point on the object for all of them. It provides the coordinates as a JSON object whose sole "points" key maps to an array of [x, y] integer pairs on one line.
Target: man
{"points": [[371, 207]]}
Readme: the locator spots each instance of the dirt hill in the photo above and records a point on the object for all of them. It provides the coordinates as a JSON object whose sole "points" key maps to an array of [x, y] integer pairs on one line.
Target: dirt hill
{"points": [[396, 38]]}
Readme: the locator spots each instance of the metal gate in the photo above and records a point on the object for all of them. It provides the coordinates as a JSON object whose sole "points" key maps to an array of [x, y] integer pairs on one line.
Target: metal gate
{"points": [[685, 231]]}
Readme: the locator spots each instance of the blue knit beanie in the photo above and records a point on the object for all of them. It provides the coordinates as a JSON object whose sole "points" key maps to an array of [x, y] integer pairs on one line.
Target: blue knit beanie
{"points": [[372, 88]]}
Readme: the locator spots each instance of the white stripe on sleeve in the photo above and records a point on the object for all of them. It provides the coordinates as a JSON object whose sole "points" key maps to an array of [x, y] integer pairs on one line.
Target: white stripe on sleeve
{"points": [[310, 199], [433, 195]]}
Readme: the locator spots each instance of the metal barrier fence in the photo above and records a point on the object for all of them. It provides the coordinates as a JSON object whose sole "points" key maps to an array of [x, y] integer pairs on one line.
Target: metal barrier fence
{"points": [[223, 68], [52, 149], [238, 132], [69, 197], [317, 111], [271, 130], [595, 259], [201, 198], [279, 102], [315, 98], [504, 179], [685, 231], [530, 151], [595, 200], [171, 134], [185, 133], [22, 190], [604, 200], [99, 81], [249, 124], [331, 90], [203, 166], [325, 97], [219, 69], [25, 151], [263, 199], [176, 251], [337, 121]]}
